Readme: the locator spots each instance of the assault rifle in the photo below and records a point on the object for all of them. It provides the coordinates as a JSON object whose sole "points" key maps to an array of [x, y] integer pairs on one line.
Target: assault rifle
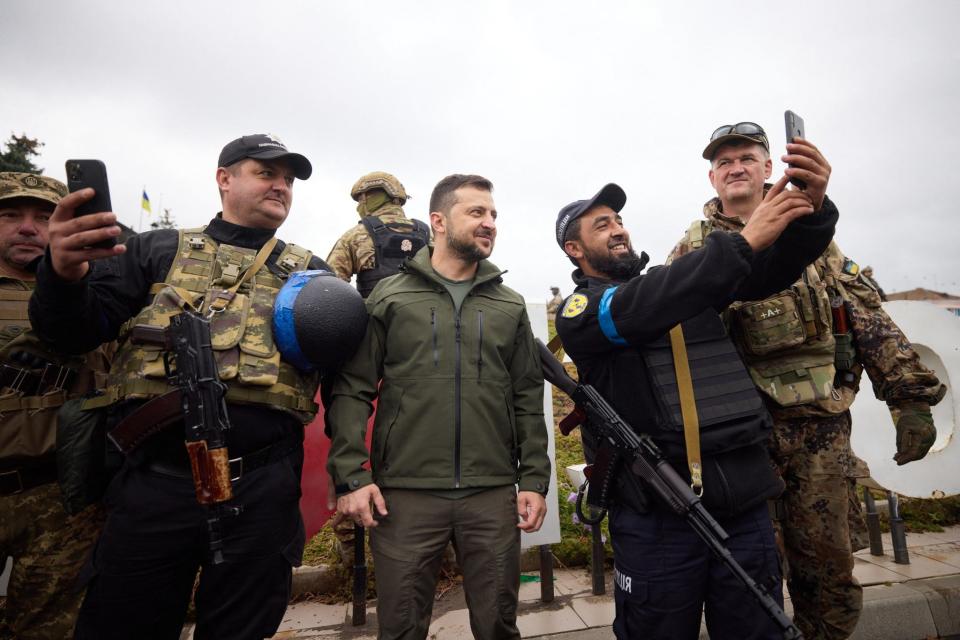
{"points": [[646, 461], [204, 411]]}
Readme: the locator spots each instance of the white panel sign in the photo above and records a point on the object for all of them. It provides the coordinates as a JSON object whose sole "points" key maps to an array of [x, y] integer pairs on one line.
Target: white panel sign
{"points": [[550, 531], [935, 334]]}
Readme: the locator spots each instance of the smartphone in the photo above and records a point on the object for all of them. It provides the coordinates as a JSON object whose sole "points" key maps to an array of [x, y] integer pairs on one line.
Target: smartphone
{"points": [[91, 173], [794, 127]]}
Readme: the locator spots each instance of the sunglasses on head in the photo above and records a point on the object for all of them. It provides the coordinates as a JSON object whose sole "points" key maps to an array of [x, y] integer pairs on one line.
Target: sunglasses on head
{"points": [[743, 128]]}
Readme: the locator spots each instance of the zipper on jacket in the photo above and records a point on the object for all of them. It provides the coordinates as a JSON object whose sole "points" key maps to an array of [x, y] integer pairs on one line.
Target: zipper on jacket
{"points": [[433, 326], [480, 346], [456, 385]]}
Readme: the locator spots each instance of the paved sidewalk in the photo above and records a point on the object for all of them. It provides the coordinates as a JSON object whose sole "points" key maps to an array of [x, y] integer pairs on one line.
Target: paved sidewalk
{"points": [[901, 602]]}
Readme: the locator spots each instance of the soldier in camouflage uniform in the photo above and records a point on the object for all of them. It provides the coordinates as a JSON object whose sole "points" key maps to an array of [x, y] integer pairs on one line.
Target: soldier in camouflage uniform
{"points": [[384, 237], [806, 348], [144, 568], [555, 302], [48, 545]]}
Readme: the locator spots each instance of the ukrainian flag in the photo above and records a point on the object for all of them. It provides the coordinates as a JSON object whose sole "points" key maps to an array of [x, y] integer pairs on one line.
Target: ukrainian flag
{"points": [[145, 202]]}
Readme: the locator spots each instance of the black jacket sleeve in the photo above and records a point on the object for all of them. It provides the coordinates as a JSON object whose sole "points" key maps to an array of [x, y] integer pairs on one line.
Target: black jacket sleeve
{"points": [[780, 265], [78, 316], [648, 305]]}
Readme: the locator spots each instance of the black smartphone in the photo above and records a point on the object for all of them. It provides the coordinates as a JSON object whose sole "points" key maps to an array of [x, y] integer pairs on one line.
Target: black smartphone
{"points": [[91, 173], [794, 127]]}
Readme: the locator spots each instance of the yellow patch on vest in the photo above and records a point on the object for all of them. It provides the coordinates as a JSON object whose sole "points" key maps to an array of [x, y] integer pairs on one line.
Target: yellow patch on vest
{"points": [[574, 306]]}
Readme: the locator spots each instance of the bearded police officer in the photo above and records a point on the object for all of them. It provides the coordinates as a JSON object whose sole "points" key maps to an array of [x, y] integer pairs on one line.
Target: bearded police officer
{"points": [[805, 348], [614, 327], [384, 237], [155, 538], [47, 543]]}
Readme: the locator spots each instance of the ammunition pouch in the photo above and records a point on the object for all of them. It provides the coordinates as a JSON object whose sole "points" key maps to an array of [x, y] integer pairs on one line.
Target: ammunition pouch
{"points": [[846, 354], [81, 454], [737, 480]]}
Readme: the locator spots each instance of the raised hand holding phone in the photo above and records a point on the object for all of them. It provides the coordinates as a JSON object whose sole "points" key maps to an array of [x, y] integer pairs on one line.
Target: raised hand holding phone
{"points": [[83, 227], [807, 168]]}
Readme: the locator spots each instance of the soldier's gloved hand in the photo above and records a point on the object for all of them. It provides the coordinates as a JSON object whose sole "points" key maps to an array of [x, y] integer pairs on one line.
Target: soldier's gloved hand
{"points": [[915, 432]]}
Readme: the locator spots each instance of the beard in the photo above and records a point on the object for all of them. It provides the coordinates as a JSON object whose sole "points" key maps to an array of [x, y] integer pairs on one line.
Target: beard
{"points": [[621, 267], [468, 251]]}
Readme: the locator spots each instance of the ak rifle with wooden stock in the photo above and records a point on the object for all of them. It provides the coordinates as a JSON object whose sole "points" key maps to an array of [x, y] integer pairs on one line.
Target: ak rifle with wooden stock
{"points": [[202, 406], [645, 460]]}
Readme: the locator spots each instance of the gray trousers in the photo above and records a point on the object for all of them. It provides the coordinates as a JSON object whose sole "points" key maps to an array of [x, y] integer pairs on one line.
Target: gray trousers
{"points": [[408, 547]]}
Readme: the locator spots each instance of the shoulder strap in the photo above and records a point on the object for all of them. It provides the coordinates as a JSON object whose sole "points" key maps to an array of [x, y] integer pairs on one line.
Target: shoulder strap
{"points": [[221, 301], [373, 224], [293, 258], [688, 409]]}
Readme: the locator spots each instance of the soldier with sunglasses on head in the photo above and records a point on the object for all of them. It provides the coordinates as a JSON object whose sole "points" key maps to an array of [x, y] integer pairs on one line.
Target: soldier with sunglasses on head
{"points": [[805, 348]]}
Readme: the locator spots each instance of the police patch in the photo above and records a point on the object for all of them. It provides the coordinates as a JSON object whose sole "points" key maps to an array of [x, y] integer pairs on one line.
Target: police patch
{"points": [[850, 267], [574, 306]]}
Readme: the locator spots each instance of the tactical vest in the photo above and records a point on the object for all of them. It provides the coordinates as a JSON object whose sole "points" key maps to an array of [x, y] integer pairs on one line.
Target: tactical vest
{"points": [[392, 245], [787, 339], [730, 411], [34, 381], [241, 327]]}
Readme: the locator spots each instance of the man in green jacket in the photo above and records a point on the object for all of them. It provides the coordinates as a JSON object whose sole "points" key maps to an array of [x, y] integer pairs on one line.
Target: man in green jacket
{"points": [[459, 424]]}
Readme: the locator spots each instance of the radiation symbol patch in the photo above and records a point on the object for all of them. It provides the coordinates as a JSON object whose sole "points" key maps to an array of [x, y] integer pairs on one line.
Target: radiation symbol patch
{"points": [[574, 306]]}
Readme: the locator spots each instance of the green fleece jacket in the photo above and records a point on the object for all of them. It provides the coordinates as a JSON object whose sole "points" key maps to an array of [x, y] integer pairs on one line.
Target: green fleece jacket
{"points": [[461, 398]]}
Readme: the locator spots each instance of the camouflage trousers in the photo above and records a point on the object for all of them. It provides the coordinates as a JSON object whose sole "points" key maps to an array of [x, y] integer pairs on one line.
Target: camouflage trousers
{"points": [[49, 548], [814, 457]]}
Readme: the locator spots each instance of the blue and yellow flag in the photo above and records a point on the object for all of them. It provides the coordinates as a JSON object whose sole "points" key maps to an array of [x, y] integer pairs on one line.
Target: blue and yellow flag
{"points": [[145, 202]]}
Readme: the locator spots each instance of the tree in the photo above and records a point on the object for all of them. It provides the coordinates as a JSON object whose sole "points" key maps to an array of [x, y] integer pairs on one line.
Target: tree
{"points": [[19, 154], [164, 221]]}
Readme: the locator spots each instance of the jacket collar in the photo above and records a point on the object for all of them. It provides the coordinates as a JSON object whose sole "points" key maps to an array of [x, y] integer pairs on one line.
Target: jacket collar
{"points": [[582, 280], [237, 235], [420, 264]]}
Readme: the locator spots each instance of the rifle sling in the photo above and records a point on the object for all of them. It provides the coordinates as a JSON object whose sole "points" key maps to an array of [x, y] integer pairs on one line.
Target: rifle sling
{"points": [[688, 408], [150, 418]]}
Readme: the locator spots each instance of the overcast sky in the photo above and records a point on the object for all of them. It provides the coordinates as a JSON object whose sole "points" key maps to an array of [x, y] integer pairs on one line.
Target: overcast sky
{"points": [[549, 99]]}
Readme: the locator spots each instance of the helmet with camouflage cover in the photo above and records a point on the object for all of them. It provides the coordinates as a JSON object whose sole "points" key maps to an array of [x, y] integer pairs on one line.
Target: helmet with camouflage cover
{"points": [[379, 180]]}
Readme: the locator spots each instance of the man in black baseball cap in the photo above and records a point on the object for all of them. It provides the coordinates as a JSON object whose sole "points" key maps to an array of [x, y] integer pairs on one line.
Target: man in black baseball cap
{"points": [[263, 146], [615, 327], [156, 536]]}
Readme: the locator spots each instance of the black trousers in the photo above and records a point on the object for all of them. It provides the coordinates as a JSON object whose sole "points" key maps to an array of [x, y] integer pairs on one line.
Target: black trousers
{"points": [[665, 577], [144, 567]]}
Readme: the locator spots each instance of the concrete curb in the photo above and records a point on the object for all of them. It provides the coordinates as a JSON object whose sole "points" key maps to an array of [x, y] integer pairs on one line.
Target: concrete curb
{"points": [[320, 579], [914, 610]]}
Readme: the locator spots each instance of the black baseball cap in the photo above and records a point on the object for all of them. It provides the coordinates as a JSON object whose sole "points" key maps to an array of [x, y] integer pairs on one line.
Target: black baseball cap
{"points": [[611, 195], [263, 146]]}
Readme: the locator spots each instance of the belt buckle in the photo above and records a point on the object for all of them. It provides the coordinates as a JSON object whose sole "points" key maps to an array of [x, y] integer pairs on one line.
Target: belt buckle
{"points": [[15, 473], [236, 468]]}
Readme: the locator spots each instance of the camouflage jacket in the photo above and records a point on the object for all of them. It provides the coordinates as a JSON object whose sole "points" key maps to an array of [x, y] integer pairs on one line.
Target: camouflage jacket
{"points": [[354, 251], [882, 350]]}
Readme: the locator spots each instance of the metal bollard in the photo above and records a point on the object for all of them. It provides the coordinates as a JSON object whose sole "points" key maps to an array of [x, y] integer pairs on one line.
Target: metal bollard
{"points": [[897, 533], [596, 560], [873, 523], [546, 573], [359, 577]]}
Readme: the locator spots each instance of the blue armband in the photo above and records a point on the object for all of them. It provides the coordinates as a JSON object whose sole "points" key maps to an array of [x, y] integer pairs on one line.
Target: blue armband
{"points": [[606, 319]]}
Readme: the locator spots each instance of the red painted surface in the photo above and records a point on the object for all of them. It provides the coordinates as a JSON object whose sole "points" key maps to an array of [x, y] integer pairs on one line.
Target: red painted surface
{"points": [[313, 503]]}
